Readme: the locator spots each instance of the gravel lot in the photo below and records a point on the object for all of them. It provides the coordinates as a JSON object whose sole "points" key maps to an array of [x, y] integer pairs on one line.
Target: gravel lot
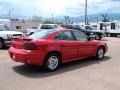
{"points": [[87, 74]]}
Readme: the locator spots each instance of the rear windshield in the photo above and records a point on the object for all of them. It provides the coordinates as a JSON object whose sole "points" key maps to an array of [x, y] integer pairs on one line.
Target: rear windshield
{"points": [[47, 27], [41, 34]]}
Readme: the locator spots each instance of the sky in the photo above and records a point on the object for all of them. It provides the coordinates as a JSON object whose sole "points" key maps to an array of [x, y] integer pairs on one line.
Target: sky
{"points": [[46, 8]]}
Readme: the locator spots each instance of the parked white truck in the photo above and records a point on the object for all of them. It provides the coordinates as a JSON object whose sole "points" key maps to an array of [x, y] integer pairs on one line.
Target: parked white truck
{"points": [[6, 35], [111, 28], [42, 27]]}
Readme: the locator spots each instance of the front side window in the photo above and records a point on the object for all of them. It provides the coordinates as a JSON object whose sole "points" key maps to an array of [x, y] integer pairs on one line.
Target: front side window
{"points": [[44, 27], [50, 27], [57, 37], [80, 36], [66, 35]]}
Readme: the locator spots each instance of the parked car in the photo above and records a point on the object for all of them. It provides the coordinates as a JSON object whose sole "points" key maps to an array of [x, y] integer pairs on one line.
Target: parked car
{"points": [[42, 27], [99, 33], [111, 28], [53, 47], [77, 27], [6, 35]]}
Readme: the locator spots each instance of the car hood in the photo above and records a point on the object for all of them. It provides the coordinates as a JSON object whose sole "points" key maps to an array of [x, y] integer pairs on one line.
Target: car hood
{"points": [[11, 32]]}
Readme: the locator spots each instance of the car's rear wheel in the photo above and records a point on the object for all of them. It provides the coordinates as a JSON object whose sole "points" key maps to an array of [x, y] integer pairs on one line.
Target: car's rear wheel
{"points": [[100, 53], [52, 62], [1, 44]]}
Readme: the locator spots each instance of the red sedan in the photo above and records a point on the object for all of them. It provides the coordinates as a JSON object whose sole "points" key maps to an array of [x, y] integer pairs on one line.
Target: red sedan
{"points": [[53, 47]]}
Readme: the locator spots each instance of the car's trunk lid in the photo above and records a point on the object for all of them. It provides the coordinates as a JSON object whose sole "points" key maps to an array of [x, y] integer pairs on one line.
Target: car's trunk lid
{"points": [[18, 42]]}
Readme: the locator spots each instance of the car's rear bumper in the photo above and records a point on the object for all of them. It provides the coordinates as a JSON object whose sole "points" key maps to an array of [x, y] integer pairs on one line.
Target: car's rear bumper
{"points": [[26, 56]]}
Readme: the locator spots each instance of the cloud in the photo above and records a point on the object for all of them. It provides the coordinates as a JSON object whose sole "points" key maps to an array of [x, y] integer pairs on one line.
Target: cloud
{"points": [[58, 7]]}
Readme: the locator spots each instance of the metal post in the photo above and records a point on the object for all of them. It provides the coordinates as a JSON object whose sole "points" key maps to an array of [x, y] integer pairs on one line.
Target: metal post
{"points": [[9, 14], [52, 18], [86, 12]]}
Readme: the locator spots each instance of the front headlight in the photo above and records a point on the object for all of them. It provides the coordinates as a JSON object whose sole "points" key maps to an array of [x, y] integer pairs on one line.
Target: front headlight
{"points": [[9, 36]]}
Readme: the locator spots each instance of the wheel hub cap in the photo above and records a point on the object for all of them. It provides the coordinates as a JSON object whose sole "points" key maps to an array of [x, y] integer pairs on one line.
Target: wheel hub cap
{"points": [[52, 62], [100, 53]]}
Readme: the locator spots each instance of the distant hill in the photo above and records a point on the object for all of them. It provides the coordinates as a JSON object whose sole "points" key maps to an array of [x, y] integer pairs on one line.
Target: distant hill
{"points": [[91, 18]]}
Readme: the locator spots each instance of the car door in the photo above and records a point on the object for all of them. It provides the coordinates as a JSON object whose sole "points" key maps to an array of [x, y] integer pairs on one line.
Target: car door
{"points": [[68, 45], [86, 48]]}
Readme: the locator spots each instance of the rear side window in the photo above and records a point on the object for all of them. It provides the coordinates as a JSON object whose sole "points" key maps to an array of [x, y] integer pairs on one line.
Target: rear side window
{"points": [[64, 35]]}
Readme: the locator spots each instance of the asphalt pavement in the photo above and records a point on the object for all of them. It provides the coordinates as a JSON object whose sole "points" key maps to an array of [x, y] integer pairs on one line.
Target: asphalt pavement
{"points": [[86, 74]]}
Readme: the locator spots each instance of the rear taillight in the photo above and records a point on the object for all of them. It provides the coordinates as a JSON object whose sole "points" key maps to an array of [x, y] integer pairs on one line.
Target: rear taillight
{"points": [[29, 46]]}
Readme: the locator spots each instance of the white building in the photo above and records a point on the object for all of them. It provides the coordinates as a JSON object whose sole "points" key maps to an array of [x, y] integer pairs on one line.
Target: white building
{"points": [[22, 25], [5, 21]]}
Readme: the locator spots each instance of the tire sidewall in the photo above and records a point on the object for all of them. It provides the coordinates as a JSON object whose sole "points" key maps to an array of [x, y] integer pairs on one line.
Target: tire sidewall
{"points": [[97, 55], [46, 61]]}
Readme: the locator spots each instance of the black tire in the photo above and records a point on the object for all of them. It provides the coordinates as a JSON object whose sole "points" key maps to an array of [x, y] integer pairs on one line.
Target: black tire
{"points": [[115, 35], [48, 59], [31, 33], [1, 44], [100, 53], [111, 35], [107, 35]]}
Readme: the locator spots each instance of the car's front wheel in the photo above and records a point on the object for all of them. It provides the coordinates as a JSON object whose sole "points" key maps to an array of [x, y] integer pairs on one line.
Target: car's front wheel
{"points": [[100, 53], [52, 62]]}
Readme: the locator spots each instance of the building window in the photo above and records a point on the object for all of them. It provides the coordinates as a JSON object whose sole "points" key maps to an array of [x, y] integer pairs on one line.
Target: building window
{"points": [[113, 26], [18, 27], [34, 27]]}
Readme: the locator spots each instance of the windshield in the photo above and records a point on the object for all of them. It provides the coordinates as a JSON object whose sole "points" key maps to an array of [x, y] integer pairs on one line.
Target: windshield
{"points": [[88, 27], [41, 34], [4, 28]]}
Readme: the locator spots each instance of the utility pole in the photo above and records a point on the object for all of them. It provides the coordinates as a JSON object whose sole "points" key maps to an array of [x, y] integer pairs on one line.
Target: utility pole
{"points": [[86, 12], [52, 18], [9, 15]]}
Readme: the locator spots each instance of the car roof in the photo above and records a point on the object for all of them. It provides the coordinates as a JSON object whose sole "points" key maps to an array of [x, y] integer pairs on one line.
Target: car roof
{"points": [[58, 29], [49, 24]]}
